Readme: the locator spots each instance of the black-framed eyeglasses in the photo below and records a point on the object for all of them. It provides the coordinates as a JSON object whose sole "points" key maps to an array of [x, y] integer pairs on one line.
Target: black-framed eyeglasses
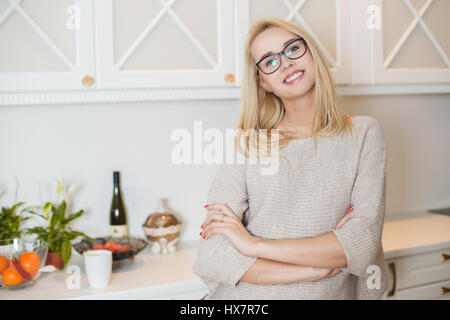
{"points": [[293, 50]]}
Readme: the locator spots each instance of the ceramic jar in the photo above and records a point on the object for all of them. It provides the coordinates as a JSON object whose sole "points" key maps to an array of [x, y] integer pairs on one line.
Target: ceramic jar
{"points": [[162, 228]]}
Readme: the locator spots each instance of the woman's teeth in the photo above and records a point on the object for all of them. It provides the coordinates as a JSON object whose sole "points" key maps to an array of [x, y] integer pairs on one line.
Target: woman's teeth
{"points": [[295, 76]]}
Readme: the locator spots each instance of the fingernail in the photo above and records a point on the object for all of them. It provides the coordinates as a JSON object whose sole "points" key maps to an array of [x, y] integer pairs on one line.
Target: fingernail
{"points": [[200, 234], [203, 237], [201, 227], [206, 206]]}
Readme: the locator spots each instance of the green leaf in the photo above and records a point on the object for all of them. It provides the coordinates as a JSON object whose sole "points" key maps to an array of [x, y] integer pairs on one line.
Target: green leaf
{"points": [[37, 214], [61, 211], [47, 208], [15, 206], [66, 251], [54, 220], [73, 216]]}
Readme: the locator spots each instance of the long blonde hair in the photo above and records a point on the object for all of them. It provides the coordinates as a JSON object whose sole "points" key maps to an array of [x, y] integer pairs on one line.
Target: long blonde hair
{"points": [[264, 110]]}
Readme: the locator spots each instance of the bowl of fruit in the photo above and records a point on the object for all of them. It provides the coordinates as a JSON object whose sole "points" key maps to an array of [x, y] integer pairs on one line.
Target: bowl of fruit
{"points": [[122, 248], [21, 262]]}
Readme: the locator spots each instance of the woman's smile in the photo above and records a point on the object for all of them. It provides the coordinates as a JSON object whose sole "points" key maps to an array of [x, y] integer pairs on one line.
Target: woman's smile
{"points": [[294, 77]]}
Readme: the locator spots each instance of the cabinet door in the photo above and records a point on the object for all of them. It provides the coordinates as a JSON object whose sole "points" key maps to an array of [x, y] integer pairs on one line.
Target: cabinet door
{"points": [[165, 43], [327, 21], [46, 45], [433, 291], [412, 45]]}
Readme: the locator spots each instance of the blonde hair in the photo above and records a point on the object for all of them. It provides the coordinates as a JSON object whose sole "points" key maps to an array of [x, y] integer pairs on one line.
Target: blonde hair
{"points": [[264, 110]]}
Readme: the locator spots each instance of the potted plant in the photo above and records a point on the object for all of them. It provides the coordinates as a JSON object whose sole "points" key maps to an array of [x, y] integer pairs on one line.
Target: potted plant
{"points": [[57, 232], [10, 223]]}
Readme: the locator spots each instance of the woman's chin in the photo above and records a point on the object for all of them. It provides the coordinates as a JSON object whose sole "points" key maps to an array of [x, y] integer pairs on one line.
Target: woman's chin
{"points": [[295, 92]]}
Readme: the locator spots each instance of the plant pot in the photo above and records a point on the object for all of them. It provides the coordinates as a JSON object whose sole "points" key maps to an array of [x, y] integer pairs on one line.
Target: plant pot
{"points": [[54, 261]]}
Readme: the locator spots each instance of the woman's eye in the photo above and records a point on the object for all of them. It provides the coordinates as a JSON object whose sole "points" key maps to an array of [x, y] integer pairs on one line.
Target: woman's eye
{"points": [[292, 50], [272, 63]]}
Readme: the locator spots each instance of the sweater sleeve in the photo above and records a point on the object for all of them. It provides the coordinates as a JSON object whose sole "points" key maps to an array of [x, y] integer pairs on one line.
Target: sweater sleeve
{"points": [[218, 260], [360, 237]]}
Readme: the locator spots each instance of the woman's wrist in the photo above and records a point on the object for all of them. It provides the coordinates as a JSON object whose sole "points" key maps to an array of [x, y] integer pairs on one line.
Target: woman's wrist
{"points": [[258, 247]]}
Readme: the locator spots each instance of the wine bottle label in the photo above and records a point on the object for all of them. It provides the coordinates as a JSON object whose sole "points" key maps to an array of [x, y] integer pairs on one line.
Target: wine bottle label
{"points": [[118, 231]]}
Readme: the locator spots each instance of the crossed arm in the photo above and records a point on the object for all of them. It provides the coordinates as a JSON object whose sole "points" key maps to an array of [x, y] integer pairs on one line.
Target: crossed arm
{"points": [[295, 260], [279, 261]]}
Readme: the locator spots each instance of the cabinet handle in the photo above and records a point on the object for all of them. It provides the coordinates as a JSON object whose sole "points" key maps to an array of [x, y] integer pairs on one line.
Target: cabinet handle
{"points": [[87, 81], [394, 285], [445, 257], [445, 290], [229, 77]]}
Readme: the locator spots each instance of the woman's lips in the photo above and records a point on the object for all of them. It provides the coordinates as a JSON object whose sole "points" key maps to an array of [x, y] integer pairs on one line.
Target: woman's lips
{"points": [[294, 76]]}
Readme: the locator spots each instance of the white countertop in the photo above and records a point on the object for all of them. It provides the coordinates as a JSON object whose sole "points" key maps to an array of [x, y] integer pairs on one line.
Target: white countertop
{"points": [[149, 276], [415, 233], [153, 276]]}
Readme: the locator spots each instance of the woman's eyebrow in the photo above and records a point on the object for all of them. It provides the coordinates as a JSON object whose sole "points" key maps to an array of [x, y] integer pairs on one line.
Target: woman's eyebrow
{"points": [[271, 52]]}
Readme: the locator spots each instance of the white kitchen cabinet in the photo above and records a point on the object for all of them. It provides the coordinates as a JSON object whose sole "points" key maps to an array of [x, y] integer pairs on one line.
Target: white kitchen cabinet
{"points": [[59, 51], [412, 46], [327, 21], [422, 276], [169, 44], [46, 45]]}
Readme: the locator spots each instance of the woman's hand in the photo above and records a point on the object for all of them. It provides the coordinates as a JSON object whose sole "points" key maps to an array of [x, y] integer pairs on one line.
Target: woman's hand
{"points": [[345, 218], [323, 273], [229, 225]]}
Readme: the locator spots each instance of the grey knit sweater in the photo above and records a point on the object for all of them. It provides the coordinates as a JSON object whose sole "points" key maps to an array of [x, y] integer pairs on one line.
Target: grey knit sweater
{"points": [[307, 197]]}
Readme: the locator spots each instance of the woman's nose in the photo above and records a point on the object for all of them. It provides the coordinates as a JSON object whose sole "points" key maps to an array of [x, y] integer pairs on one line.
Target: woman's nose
{"points": [[285, 62]]}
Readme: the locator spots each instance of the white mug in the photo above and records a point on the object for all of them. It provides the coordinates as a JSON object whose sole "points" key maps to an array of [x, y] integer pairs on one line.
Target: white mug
{"points": [[98, 265]]}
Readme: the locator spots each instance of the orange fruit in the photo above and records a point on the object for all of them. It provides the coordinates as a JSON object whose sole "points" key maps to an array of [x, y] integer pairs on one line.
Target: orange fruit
{"points": [[30, 261], [3, 264], [125, 248], [33, 274], [11, 277], [110, 244]]}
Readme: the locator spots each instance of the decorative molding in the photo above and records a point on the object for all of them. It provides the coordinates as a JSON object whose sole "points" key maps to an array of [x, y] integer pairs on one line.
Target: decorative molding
{"points": [[102, 96], [189, 94], [394, 89]]}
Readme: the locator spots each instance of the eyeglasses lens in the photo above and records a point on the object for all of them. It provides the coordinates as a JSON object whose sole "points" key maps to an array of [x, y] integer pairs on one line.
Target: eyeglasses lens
{"points": [[294, 51]]}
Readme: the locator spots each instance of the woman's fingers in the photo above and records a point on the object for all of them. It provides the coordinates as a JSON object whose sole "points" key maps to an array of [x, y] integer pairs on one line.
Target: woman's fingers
{"points": [[213, 217], [345, 218], [342, 221], [214, 228], [225, 213], [223, 208], [327, 273], [334, 272]]}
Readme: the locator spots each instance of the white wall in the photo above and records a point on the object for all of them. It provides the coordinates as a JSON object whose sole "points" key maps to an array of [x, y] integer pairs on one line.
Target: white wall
{"points": [[87, 142]]}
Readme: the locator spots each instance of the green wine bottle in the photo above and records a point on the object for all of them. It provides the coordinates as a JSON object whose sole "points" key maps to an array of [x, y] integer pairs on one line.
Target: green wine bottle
{"points": [[117, 220]]}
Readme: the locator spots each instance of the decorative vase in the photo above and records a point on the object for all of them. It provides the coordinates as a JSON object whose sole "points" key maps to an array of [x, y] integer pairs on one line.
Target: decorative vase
{"points": [[54, 261], [162, 228]]}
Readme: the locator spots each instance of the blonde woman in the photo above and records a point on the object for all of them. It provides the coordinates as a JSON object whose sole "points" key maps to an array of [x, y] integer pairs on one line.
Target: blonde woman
{"points": [[286, 235]]}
